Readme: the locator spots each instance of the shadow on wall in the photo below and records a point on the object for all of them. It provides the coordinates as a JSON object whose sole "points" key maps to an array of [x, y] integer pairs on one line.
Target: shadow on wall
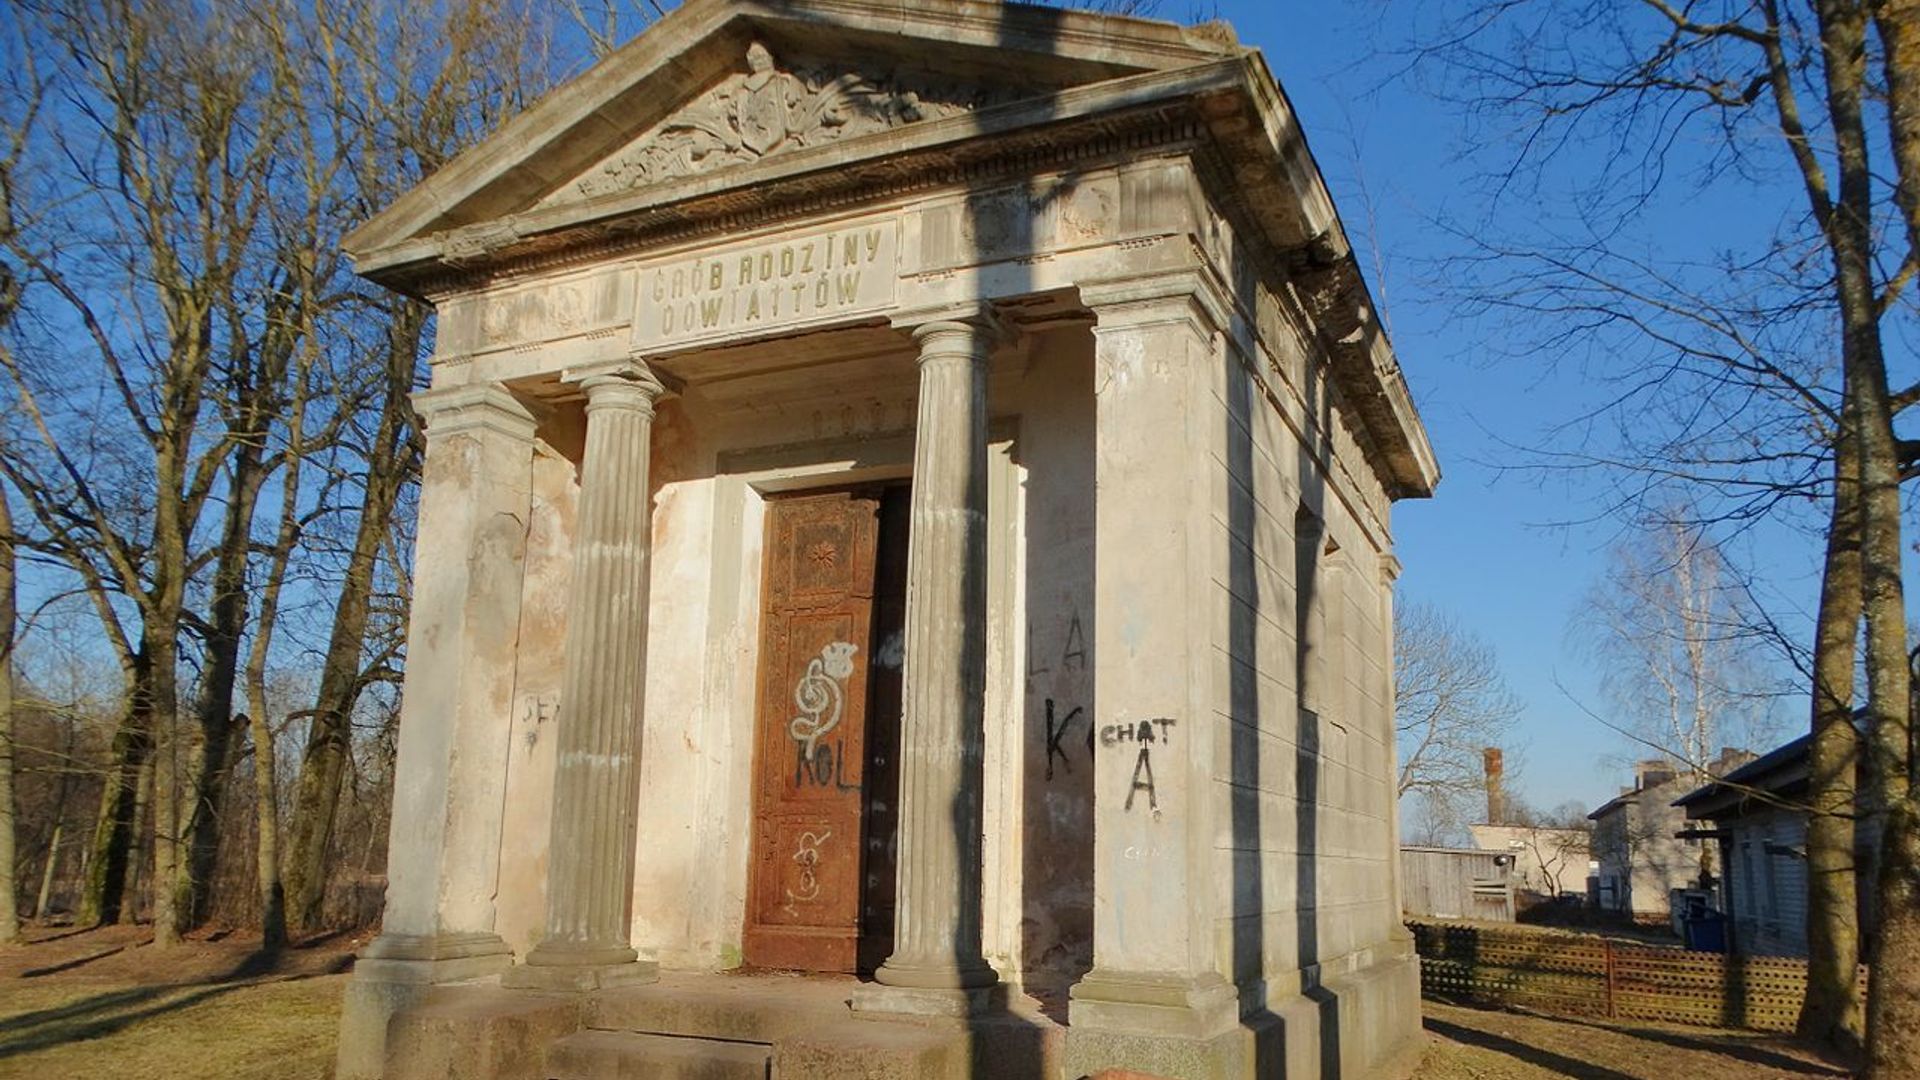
{"points": [[1002, 1044]]}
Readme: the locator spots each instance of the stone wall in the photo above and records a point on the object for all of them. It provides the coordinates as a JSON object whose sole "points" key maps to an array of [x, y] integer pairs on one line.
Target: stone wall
{"points": [[1304, 757]]}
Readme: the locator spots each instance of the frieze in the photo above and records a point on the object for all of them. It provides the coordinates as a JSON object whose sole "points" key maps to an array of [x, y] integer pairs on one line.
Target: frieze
{"points": [[769, 110], [796, 279], [584, 307]]}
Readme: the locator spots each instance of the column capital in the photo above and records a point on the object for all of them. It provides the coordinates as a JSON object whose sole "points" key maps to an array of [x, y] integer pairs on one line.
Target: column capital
{"points": [[1188, 295], [628, 383], [486, 406], [970, 327]]}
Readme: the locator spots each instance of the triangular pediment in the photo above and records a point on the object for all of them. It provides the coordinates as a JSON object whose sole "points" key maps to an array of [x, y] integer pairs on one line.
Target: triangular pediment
{"points": [[774, 105], [722, 85]]}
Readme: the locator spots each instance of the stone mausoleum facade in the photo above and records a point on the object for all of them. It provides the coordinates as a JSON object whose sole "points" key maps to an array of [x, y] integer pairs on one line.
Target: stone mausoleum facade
{"points": [[904, 581]]}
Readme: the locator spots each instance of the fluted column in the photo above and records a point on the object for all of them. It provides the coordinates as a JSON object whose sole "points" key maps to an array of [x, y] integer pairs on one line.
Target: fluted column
{"points": [[595, 801], [937, 911]]}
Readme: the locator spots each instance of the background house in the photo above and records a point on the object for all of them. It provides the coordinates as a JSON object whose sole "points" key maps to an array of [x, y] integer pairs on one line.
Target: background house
{"points": [[1548, 860], [1758, 815], [1547, 855], [1641, 858]]}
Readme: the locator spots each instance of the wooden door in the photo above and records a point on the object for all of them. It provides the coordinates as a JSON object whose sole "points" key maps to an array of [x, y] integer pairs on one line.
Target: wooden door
{"points": [[804, 884]]}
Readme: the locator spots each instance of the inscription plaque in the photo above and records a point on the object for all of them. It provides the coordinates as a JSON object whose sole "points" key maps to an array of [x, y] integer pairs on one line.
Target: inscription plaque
{"points": [[790, 281]]}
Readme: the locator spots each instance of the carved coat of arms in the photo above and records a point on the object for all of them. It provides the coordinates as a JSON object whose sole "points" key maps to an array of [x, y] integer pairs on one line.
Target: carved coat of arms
{"points": [[761, 109], [766, 110]]}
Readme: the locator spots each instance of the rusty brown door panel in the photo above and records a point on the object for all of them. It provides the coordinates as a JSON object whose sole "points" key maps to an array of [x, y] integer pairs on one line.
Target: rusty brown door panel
{"points": [[804, 887]]}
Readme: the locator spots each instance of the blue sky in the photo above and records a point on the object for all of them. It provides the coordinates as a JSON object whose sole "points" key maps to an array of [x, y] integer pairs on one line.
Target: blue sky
{"points": [[1486, 549]]}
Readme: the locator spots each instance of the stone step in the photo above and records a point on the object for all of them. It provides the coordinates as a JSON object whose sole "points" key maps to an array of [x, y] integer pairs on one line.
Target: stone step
{"points": [[742, 1009], [876, 1050], [627, 1055]]}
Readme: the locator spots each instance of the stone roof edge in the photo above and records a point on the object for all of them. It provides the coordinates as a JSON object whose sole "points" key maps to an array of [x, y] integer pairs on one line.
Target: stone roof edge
{"points": [[1337, 297], [391, 262], [564, 113]]}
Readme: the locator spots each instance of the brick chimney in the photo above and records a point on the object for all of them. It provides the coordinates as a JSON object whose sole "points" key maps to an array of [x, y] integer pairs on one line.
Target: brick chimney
{"points": [[1496, 789]]}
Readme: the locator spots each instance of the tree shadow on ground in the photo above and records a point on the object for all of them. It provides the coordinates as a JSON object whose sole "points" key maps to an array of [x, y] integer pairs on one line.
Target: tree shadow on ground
{"points": [[98, 1016], [112, 1011], [1533, 1055], [76, 962], [1733, 1047]]}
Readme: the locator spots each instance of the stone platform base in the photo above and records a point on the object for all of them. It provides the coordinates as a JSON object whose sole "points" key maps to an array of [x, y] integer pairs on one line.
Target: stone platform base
{"points": [[709, 1027], [728, 1026]]}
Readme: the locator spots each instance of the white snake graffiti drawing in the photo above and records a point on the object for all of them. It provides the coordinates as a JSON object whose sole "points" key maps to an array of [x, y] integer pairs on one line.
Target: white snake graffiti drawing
{"points": [[808, 856], [820, 695]]}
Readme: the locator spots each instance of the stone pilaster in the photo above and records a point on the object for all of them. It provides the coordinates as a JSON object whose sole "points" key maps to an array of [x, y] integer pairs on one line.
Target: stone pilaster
{"points": [[596, 795], [1157, 999], [455, 720], [937, 912]]}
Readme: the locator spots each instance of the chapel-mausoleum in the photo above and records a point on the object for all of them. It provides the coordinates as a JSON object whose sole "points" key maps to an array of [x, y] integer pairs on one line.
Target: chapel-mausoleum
{"points": [[904, 581]]}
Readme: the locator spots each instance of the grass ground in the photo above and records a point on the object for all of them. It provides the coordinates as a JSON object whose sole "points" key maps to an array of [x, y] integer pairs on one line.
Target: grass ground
{"points": [[1483, 1044], [105, 1005]]}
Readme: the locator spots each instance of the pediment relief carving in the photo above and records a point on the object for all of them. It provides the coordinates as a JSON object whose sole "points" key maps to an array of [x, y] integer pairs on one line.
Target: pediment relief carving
{"points": [[771, 109]]}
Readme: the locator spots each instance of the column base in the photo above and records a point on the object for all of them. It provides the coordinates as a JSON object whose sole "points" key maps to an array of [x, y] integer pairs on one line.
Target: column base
{"points": [[574, 968], [1163, 1025], [1189, 1006], [977, 975], [442, 950], [393, 973]]}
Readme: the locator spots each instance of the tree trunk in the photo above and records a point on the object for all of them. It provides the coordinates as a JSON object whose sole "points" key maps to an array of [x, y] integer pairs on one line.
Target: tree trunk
{"points": [[273, 898], [104, 891], [45, 895], [133, 874], [393, 460], [9, 913], [168, 863], [1893, 1016], [206, 784], [1832, 1012]]}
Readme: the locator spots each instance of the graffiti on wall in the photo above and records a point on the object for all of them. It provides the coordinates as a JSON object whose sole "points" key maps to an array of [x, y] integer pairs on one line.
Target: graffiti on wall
{"points": [[1061, 714], [535, 711], [821, 695], [807, 855], [1145, 734]]}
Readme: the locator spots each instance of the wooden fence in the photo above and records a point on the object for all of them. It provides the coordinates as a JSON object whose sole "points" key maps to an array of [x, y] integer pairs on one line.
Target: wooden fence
{"points": [[1584, 975]]}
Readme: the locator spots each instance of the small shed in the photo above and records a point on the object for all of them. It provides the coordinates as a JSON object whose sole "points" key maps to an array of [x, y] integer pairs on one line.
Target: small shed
{"points": [[1456, 883]]}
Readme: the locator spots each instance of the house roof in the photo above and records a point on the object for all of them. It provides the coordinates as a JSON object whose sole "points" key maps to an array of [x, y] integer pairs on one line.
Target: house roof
{"points": [[532, 191], [1613, 804], [1779, 772]]}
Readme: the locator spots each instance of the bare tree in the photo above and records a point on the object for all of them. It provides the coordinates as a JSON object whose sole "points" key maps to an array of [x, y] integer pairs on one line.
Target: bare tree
{"points": [[9, 912], [1683, 655], [1450, 703], [1556, 843], [1727, 385]]}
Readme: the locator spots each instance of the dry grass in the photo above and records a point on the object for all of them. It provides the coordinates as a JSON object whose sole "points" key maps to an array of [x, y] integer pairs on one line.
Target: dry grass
{"points": [[105, 1004], [1484, 1044]]}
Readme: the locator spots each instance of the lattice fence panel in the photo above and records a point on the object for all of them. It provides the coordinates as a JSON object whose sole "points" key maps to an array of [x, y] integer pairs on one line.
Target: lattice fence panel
{"points": [[1580, 975]]}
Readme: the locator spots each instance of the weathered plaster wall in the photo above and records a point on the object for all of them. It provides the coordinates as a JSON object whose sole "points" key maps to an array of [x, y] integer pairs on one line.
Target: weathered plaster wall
{"points": [[1050, 865], [536, 701]]}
